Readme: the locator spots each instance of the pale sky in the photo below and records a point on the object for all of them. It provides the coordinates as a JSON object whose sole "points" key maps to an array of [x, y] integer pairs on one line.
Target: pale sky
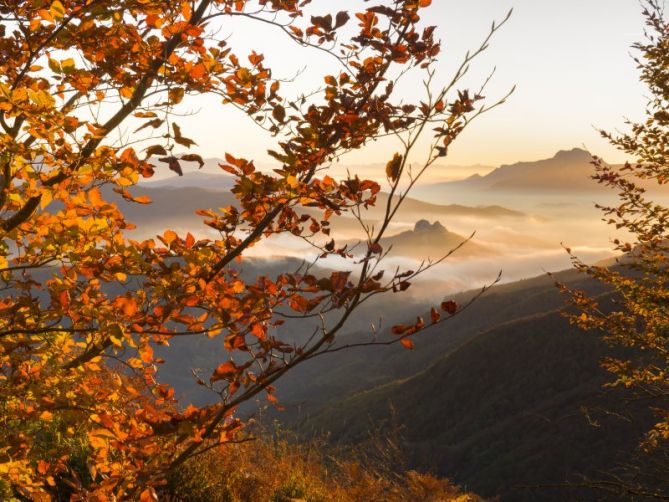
{"points": [[570, 60]]}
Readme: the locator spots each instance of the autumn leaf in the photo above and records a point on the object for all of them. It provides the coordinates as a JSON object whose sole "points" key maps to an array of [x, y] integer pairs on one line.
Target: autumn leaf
{"points": [[46, 416], [341, 19], [148, 495], [173, 164], [181, 139], [393, 167], [223, 371], [279, 113], [449, 307], [399, 329], [146, 354], [169, 237], [155, 150], [193, 157], [151, 123]]}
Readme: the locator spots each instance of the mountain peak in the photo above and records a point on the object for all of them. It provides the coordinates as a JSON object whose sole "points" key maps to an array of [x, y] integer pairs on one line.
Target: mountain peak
{"points": [[573, 154], [426, 226]]}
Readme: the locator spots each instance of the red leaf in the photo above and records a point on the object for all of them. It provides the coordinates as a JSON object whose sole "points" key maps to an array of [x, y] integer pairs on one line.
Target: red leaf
{"points": [[450, 307], [173, 164], [272, 398], [376, 248], [400, 329]]}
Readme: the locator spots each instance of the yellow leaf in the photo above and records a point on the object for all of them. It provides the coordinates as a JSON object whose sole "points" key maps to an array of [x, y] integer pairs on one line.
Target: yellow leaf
{"points": [[57, 10], [292, 181], [55, 66], [46, 198], [44, 14], [116, 335], [67, 65], [40, 98], [126, 92], [135, 363], [95, 439]]}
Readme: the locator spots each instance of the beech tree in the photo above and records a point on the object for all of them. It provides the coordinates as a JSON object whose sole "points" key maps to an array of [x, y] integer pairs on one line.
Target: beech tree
{"points": [[83, 413], [638, 316]]}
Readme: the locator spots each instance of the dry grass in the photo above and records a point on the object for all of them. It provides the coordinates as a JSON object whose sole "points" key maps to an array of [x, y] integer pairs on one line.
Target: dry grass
{"points": [[274, 469]]}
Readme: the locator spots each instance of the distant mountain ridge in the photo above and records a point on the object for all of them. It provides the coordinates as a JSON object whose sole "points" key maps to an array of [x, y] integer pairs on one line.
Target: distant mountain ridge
{"points": [[174, 204], [211, 171], [566, 170]]}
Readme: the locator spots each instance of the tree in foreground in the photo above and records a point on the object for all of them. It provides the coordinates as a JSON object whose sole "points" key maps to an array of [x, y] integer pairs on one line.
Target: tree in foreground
{"points": [[82, 411], [638, 316]]}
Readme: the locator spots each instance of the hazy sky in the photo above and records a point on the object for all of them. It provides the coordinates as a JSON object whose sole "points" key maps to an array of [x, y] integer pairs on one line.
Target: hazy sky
{"points": [[570, 60]]}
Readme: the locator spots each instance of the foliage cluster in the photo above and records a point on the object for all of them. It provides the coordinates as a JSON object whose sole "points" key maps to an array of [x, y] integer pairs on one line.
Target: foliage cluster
{"points": [[638, 317], [84, 305]]}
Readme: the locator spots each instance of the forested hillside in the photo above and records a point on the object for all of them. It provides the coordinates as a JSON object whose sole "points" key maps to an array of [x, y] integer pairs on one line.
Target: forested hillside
{"points": [[506, 397]]}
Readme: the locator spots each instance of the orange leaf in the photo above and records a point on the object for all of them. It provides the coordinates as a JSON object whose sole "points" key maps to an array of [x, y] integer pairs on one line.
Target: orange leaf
{"points": [[42, 467], [146, 353], [258, 331], [225, 370], [169, 236], [148, 495]]}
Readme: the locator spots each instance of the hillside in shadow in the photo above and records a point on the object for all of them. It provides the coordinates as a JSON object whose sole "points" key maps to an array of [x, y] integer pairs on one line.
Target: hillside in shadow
{"points": [[505, 397]]}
